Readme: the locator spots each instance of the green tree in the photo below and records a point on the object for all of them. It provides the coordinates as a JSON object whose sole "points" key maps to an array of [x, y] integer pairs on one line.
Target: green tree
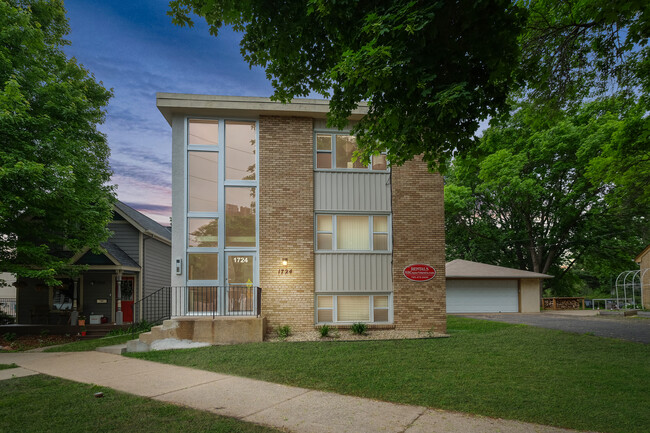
{"points": [[429, 70], [54, 174], [574, 49], [526, 199]]}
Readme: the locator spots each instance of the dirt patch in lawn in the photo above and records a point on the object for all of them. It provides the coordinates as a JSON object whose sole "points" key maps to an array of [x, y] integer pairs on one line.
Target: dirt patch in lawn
{"points": [[13, 343]]}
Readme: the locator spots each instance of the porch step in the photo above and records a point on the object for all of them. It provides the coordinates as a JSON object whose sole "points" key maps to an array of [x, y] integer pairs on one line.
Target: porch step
{"points": [[118, 349], [220, 330]]}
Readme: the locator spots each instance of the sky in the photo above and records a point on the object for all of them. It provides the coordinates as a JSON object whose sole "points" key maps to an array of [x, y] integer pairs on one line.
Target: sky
{"points": [[133, 48]]}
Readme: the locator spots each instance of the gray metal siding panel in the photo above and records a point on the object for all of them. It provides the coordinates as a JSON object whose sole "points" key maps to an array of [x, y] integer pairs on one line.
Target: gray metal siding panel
{"points": [[337, 191], [126, 237], [157, 265], [348, 272]]}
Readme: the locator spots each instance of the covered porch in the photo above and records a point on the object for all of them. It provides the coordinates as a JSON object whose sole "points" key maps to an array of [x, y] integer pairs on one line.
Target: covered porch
{"points": [[102, 294]]}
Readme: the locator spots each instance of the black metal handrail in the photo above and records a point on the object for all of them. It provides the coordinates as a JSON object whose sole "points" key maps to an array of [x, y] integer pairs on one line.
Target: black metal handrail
{"points": [[209, 301]]}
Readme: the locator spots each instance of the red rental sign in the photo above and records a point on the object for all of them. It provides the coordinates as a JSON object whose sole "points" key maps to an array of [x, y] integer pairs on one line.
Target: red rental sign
{"points": [[419, 272]]}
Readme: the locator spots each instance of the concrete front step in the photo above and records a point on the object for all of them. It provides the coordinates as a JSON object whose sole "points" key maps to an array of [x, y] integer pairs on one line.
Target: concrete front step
{"points": [[219, 330], [118, 349]]}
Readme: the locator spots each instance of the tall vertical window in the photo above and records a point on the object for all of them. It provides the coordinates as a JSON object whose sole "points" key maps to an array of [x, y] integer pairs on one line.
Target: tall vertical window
{"points": [[221, 219], [240, 150], [240, 217], [203, 181]]}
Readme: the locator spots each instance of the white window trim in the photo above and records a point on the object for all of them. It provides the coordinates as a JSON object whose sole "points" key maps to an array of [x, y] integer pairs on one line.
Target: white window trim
{"points": [[332, 152], [371, 306], [371, 233]]}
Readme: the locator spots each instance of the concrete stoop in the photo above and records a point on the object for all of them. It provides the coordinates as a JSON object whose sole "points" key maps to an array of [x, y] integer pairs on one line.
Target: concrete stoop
{"points": [[220, 330]]}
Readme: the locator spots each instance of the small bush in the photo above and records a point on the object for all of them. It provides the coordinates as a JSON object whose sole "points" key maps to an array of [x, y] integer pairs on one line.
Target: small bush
{"points": [[45, 333], [359, 328], [324, 331], [10, 336], [284, 332]]}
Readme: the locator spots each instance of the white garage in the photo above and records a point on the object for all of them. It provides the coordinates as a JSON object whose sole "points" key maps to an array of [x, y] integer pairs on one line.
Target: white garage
{"points": [[481, 288], [482, 296]]}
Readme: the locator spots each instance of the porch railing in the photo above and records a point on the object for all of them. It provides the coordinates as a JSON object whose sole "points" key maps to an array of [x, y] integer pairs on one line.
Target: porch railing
{"points": [[208, 301], [7, 310]]}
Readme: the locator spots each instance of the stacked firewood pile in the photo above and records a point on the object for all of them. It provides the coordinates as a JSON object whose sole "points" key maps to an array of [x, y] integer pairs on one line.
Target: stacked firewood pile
{"points": [[563, 303]]}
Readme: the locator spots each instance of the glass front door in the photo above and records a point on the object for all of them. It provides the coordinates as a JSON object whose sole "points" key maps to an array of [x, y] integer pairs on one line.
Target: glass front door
{"points": [[240, 283]]}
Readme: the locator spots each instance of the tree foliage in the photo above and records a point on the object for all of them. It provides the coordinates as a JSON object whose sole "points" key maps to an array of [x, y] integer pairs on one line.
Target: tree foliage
{"points": [[429, 70], [54, 172], [529, 199], [580, 48]]}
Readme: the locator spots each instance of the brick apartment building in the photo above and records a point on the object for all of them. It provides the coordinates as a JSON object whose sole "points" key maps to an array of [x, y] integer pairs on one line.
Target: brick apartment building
{"points": [[264, 194]]}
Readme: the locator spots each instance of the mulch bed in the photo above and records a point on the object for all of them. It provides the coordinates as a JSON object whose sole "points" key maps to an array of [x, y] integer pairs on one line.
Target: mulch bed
{"points": [[12, 343]]}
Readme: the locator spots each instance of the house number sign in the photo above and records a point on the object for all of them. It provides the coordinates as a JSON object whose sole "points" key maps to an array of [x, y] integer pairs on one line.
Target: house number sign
{"points": [[285, 271], [419, 272]]}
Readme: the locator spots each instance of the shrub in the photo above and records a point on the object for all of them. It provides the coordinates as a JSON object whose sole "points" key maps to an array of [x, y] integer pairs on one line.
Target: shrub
{"points": [[324, 330], [359, 328], [45, 333], [10, 336], [284, 332]]}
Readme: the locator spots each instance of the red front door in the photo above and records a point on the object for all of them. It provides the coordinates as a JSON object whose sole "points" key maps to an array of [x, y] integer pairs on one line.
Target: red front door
{"points": [[128, 293]]}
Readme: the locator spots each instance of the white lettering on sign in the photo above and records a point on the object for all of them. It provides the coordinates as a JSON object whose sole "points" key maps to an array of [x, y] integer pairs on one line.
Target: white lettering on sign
{"points": [[240, 259]]}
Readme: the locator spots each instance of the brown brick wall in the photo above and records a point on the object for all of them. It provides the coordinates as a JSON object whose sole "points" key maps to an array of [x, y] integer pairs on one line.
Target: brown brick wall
{"points": [[418, 237], [286, 226]]}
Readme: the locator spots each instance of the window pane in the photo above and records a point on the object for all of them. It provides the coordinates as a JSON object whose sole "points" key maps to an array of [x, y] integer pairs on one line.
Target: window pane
{"points": [[352, 232], [381, 315], [240, 150], [325, 302], [202, 185], [202, 266], [380, 301], [62, 296], [345, 147], [324, 316], [323, 142], [380, 224], [203, 232], [324, 223], [380, 242], [240, 269], [324, 241], [324, 160], [240, 217], [353, 308], [379, 162], [203, 131]]}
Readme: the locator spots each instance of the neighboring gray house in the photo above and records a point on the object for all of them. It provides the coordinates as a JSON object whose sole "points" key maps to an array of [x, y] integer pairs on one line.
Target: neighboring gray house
{"points": [[137, 256]]}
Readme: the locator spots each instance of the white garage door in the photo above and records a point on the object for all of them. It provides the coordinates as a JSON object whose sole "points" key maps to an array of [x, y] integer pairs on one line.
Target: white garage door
{"points": [[482, 296]]}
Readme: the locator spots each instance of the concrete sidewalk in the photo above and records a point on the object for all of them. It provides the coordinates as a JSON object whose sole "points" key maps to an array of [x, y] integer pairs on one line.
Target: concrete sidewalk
{"points": [[285, 407]]}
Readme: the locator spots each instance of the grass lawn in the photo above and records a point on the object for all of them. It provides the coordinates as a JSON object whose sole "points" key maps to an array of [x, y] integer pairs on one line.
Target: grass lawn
{"points": [[7, 366], [488, 368], [47, 404], [87, 345]]}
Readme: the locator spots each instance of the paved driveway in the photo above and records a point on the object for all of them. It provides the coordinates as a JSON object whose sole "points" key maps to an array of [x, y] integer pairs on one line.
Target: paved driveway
{"points": [[626, 328]]}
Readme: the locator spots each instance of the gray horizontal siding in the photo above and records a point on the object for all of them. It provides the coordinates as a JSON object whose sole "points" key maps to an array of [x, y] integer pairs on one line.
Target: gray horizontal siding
{"points": [[127, 238], [157, 265], [347, 272], [337, 191]]}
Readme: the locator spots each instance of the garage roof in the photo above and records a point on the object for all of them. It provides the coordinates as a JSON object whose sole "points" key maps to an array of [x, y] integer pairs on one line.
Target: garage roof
{"points": [[465, 269]]}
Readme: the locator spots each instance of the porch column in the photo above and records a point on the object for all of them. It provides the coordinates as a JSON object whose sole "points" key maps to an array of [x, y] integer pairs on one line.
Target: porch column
{"points": [[74, 315], [119, 318]]}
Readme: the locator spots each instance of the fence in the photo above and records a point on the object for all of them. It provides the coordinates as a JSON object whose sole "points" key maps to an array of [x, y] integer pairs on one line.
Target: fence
{"points": [[7, 310], [208, 301]]}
